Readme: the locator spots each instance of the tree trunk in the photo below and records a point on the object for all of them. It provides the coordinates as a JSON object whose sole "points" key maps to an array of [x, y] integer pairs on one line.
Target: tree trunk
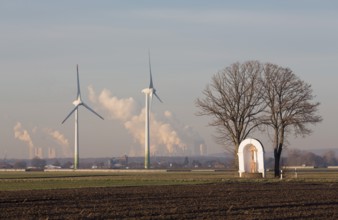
{"points": [[235, 162], [277, 154]]}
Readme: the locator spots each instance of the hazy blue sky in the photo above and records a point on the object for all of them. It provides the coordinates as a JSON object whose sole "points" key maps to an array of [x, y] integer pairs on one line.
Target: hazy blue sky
{"points": [[42, 41]]}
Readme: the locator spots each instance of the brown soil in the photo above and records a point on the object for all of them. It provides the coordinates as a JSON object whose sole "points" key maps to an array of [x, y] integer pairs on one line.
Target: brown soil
{"points": [[282, 200]]}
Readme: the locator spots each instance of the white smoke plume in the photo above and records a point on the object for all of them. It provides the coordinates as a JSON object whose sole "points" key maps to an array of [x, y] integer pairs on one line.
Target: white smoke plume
{"points": [[122, 109], [168, 136], [21, 134], [61, 140], [187, 133]]}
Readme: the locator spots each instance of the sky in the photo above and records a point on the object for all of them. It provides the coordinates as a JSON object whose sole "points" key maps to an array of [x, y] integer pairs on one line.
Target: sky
{"points": [[42, 41]]}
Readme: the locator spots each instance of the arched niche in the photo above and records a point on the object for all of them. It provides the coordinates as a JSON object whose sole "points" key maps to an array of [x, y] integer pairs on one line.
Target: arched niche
{"points": [[251, 157]]}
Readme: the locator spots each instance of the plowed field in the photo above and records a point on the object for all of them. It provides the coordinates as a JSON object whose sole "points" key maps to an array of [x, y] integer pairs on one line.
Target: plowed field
{"points": [[242, 200]]}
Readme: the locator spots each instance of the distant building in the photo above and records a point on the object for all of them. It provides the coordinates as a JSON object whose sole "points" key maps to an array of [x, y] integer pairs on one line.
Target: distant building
{"points": [[203, 150], [51, 153], [38, 152], [199, 148]]}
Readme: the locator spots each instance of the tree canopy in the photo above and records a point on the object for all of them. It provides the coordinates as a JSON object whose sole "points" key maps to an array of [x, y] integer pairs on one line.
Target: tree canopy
{"points": [[234, 101]]}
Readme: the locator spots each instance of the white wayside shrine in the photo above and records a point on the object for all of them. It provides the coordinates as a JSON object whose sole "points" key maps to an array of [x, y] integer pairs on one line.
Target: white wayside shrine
{"points": [[251, 158]]}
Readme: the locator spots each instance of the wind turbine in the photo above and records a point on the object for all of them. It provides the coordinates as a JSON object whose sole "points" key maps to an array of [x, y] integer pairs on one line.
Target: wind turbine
{"points": [[78, 102], [149, 92]]}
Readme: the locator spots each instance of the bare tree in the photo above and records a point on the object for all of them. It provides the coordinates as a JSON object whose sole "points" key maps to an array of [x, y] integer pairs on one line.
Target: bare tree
{"points": [[289, 107], [234, 101]]}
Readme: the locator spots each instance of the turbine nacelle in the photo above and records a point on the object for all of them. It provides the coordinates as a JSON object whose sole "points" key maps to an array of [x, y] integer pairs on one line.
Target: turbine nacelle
{"points": [[149, 91], [78, 102]]}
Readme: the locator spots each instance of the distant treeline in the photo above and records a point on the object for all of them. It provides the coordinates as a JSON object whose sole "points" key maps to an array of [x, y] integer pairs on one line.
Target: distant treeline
{"points": [[301, 158], [292, 158]]}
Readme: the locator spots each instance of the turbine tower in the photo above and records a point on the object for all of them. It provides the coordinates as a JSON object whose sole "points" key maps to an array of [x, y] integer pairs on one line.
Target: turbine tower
{"points": [[149, 92], [78, 102]]}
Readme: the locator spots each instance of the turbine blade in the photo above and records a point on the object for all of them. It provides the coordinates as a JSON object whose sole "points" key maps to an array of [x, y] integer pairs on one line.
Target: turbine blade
{"points": [[151, 78], [85, 105], [158, 97], [78, 82], [69, 114]]}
